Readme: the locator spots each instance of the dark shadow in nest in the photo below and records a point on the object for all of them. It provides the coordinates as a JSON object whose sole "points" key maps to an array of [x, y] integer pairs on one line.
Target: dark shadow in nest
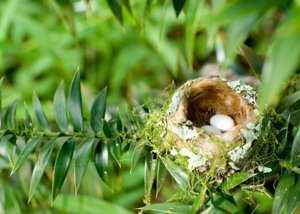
{"points": [[214, 96]]}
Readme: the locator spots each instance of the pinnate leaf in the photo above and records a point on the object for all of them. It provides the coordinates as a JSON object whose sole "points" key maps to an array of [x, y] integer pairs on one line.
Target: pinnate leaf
{"points": [[106, 129], [31, 144], [28, 120], [40, 166], [62, 165], [10, 116], [75, 103], [102, 162], [60, 108], [98, 110], [82, 160], [39, 113], [115, 149]]}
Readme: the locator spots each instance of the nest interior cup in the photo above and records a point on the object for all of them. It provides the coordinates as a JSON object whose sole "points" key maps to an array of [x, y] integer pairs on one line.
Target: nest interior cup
{"points": [[202, 98]]}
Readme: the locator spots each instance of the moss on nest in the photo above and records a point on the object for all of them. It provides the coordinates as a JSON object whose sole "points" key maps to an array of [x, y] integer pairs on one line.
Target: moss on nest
{"points": [[174, 131]]}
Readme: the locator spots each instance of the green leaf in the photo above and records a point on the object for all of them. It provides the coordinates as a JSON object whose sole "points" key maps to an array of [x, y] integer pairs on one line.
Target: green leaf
{"points": [[295, 152], [137, 151], [161, 174], [119, 123], [98, 110], [294, 202], [149, 176], [285, 48], [11, 149], [116, 8], [147, 8], [31, 144], [282, 136], [287, 101], [283, 193], [40, 166], [102, 163], [212, 210], [7, 17], [10, 116], [238, 32], [168, 208], [236, 179], [126, 3], [224, 204], [106, 129], [62, 165], [39, 113], [1, 81], [132, 120], [60, 108], [4, 136], [116, 124], [238, 10], [255, 61], [82, 161], [178, 5], [199, 200], [28, 120], [195, 11], [75, 103], [292, 113], [9, 142], [115, 150], [86, 204], [286, 164], [179, 176]]}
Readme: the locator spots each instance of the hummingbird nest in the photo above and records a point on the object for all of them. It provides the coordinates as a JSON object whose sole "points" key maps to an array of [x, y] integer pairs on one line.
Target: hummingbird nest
{"points": [[178, 135]]}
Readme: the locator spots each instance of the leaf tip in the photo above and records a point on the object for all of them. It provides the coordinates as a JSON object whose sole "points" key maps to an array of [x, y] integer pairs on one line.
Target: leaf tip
{"points": [[29, 198], [12, 171]]}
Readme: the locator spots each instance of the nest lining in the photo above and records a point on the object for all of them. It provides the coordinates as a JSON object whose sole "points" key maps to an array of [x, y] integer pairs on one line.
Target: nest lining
{"points": [[207, 97]]}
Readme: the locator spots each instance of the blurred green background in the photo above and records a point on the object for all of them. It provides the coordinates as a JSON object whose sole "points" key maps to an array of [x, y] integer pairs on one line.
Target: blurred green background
{"points": [[44, 42]]}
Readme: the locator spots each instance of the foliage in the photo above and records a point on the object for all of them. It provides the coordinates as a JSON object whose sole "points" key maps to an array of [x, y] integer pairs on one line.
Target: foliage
{"points": [[73, 141]]}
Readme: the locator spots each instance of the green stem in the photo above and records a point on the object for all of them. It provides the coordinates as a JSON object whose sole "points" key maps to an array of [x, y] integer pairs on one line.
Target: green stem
{"points": [[55, 134]]}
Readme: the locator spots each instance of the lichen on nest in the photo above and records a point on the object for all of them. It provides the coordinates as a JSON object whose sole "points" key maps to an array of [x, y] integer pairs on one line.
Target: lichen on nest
{"points": [[174, 131]]}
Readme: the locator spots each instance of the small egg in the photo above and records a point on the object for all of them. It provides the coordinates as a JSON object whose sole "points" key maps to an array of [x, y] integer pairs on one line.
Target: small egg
{"points": [[211, 129], [222, 122]]}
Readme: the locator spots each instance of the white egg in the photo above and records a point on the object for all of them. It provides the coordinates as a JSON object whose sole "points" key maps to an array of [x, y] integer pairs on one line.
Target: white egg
{"points": [[222, 122], [211, 129]]}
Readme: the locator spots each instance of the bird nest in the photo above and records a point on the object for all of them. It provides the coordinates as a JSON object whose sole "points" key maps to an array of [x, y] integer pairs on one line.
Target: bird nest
{"points": [[177, 134]]}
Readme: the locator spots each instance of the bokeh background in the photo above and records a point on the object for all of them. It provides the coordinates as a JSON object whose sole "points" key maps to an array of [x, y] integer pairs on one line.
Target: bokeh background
{"points": [[136, 57]]}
